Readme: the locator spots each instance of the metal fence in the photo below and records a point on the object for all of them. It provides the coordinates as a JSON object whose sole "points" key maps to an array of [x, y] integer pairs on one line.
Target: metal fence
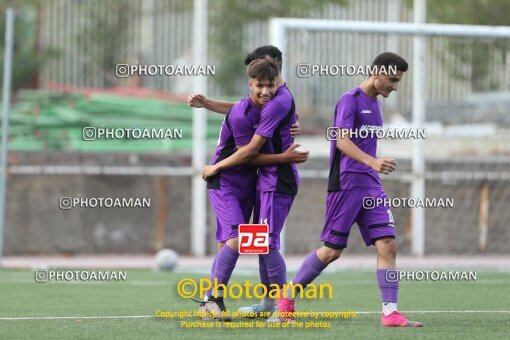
{"points": [[467, 117], [93, 36]]}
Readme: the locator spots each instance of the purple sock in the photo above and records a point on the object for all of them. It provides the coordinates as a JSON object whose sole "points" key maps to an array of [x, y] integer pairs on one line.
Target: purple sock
{"points": [[225, 263], [264, 276], [388, 284], [211, 277], [275, 267], [311, 268]]}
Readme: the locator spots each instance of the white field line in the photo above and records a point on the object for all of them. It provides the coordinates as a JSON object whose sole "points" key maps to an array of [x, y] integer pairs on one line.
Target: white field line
{"points": [[345, 282], [77, 317], [152, 316], [445, 311]]}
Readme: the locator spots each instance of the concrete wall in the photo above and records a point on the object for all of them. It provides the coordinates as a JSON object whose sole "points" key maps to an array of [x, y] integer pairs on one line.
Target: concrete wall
{"points": [[36, 225]]}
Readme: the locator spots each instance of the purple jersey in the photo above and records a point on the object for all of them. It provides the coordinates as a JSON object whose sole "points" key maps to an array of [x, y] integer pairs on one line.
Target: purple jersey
{"points": [[357, 112], [237, 129], [276, 119]]}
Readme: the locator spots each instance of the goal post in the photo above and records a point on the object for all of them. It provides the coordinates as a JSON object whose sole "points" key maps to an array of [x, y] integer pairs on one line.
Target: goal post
{"points": [[198, 187], [278, 37]]}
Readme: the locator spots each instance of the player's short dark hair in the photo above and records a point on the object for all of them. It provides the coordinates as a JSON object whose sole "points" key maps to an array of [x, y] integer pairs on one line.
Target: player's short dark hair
{"points": [[262, 52], [263, 69], [388, 59]]}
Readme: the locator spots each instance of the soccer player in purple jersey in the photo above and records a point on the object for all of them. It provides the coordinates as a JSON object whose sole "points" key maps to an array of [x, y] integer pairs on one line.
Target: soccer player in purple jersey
{"points": [[353, 177], [219, 106], [231, 191], [200, 101], [277, 185], [269, 206]]}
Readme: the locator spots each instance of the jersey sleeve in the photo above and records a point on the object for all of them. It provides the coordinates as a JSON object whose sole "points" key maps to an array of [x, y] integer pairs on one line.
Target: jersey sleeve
{"points": [[271, 116], [242, 129], [345, 111]]}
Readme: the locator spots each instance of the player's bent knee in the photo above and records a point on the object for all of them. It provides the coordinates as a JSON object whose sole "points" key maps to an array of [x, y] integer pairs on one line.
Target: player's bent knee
{"points": [[385, 242], [233, 243], [328, 255], [335, 254], [386, 246]]}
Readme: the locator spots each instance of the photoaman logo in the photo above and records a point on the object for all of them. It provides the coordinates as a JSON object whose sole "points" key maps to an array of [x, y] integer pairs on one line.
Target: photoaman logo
{"points": [[253, 239]]}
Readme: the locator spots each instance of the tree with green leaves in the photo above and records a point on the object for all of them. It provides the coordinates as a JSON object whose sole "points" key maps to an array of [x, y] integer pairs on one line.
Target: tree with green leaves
{"points": [[478, 54], [228, 18], [27, 59], [108, 29]]}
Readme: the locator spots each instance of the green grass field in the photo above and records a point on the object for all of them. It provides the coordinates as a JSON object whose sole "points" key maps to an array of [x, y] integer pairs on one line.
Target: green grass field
{"points": [[90, 303]]}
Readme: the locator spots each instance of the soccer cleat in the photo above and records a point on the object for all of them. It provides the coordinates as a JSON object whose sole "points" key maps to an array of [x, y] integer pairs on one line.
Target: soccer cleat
{"points": [[255, 311], [396, 319], [202, 312], [214, 308], [284, 311]]}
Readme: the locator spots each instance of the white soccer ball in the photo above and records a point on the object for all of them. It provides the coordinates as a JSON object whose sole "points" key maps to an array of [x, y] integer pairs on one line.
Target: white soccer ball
{"points": [[40, 267], [166, 259]]}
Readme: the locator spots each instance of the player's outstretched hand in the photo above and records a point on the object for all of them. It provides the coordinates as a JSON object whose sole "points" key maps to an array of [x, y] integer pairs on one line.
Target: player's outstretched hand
{"points": [[197, 100], [295, 156], [383, 165], [295, 130], [209, 171]]}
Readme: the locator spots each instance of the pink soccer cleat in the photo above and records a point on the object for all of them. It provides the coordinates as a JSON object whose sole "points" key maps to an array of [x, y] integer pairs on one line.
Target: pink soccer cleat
{"points": [[284, 311], [396, 319]]}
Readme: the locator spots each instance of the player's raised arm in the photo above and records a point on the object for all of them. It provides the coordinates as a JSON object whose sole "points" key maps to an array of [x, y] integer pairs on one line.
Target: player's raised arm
{"points": [[219, 106], [382, 165], [200, 101], [241, 156], [250, 154]]}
